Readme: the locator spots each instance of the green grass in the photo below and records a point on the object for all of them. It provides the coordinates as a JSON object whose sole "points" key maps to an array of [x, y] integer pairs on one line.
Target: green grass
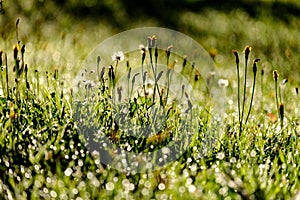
{"points": [[43, 154]]}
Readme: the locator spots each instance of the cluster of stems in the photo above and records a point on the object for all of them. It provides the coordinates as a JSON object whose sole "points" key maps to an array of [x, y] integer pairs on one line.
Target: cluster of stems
{"points": [[241, 101]]}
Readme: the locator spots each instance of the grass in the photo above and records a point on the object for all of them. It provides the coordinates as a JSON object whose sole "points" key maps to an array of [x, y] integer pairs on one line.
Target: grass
{"points": [[43, 154]]}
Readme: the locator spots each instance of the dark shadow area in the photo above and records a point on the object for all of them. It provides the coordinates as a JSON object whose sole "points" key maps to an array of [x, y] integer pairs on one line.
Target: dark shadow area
{"points": [[120, 14], [166, 12]]}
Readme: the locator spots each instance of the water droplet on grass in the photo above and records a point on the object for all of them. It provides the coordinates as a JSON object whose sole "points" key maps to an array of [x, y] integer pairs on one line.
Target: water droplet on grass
{"points": [[109, 186], [161, 186], [68, 172]]}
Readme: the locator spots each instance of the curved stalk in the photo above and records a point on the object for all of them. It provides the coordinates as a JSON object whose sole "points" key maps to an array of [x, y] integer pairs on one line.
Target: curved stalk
{"points": [[253, 88], [247, 52]]}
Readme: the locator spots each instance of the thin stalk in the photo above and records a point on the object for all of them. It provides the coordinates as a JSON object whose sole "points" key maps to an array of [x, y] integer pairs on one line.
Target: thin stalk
{"points": [[276, 96], [2, 81], [280, 93], [1, 70], [246, 51], [168, 52], [37, 82], [128, 82], [6, 73], [17, 90], [114, 80], [17, 31], [168, 84], [237, 61], [112, 77], [143, 59], [275, 76], [262, 88], [155, 76], [151, 45], [132, 84], [26, 80], [47, 78], [97, 70], [154, 73], [244, 94], [239, 88], [253, 88], [156, 57], [252, 95]]}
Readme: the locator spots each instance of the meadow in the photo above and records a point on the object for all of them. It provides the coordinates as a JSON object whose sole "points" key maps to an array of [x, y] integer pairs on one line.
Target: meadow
{"points": [[61, 140]]}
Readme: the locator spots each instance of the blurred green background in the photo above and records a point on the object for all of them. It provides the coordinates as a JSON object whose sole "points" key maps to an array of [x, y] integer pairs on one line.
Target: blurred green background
{"points": [[62, 33]]}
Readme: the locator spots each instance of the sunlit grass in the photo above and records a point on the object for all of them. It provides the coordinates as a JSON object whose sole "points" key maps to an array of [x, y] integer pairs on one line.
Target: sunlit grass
{"points": [[43, 156]]}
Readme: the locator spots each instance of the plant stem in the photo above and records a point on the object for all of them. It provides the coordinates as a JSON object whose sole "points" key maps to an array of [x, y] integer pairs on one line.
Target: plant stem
{"points": [[168, 51], [168, 84], [262, 89], [154, 73], [239, 87], [2, 81], [253, 89], [6, 73], [275, 76], [276, 96], [143, 59], [244, 95], [37, 82]]}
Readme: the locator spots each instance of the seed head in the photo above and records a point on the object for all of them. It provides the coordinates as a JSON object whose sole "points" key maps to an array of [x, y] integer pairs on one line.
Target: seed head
{"points": [[213, 53], [151, 41], [172, 65], [143, 56], [256, 60], [275, 75], [284, 81], [16, 50], [184, 61], [111, 73], [197, 75], [168, 50], [223, 83], [281, 111], [254, 65], [118, 56], [23, 49], [247, 51], [262, 71], [17, 22], [237, 60], [156, 52], [56, 74], [143, 52], [98, 60], [102, 73], [133, 78], [159, 75]]}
